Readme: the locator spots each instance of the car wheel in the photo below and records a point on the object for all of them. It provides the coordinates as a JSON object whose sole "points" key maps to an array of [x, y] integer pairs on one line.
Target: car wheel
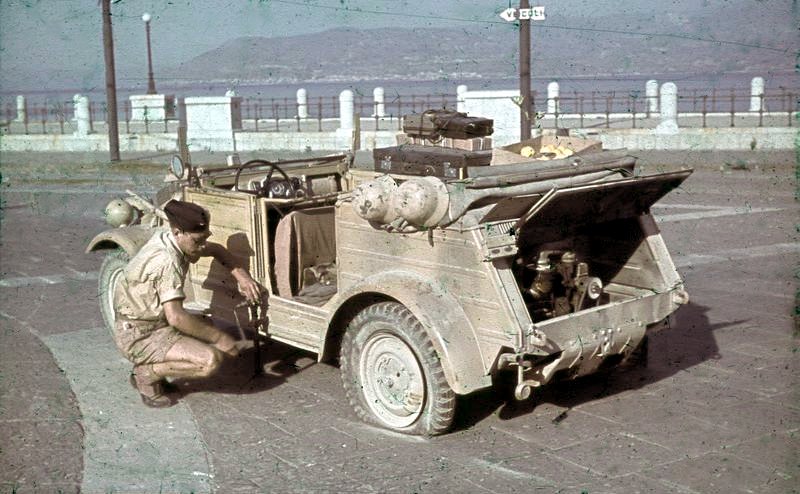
{"points": [[110, 272], [392, 375]]}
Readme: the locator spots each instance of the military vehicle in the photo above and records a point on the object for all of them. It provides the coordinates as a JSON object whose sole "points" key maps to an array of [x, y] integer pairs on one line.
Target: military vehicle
{"points": [[426, 287]]}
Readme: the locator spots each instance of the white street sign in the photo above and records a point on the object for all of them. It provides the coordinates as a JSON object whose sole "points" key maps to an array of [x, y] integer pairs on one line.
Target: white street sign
{"points": [[534, 13], [509, 14]]}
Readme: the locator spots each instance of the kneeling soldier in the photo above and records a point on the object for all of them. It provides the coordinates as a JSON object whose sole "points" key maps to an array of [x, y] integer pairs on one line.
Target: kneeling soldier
{"points": [[152, 329]]}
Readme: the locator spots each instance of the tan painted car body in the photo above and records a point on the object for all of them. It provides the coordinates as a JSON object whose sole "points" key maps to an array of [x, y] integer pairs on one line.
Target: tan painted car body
{"points": [[458, 279]]}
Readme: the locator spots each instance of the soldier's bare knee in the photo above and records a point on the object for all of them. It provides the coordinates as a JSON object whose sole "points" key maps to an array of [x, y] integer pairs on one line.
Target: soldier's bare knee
{"points": [[211, 363]]}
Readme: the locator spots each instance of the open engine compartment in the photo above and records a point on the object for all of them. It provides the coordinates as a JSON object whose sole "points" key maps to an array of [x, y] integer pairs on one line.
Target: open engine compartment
{"points": [[589, 267]]}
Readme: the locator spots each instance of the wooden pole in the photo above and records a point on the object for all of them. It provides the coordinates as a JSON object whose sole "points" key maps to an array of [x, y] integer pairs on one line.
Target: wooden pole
{"points": [[111, 83], [525, 73]]}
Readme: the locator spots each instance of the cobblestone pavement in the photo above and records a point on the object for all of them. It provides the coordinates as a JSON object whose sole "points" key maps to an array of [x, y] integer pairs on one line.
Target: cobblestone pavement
{"points": [[716, 408]]}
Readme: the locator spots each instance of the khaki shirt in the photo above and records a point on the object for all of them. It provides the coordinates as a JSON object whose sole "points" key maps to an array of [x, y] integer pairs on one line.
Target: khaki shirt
{"points": [[155, 275]]}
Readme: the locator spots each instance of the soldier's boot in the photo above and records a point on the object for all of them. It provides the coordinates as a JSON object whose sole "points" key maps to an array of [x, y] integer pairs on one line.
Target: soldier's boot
{"points": [[149, 385], [166, 386]]}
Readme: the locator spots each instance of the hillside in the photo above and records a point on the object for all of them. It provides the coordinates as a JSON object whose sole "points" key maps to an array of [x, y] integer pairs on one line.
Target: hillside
{"points": [[562, 47]]}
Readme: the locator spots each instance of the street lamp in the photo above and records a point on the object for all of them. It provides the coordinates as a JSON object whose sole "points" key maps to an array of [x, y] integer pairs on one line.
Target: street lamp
{"points": [[151, 82]]}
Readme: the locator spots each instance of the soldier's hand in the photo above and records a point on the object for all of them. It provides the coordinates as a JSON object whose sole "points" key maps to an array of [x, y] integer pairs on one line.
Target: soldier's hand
{"points": [[250, 290], [247, 285]]}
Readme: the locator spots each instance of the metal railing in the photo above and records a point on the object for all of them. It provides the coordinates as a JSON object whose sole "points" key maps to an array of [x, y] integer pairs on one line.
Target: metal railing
{"points": [[59, 118], [282, 114], [717, 109], [603, 109]]}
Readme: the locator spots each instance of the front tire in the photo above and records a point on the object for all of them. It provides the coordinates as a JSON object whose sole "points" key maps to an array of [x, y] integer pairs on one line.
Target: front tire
{"points": [[110, 272], [392, 375]]}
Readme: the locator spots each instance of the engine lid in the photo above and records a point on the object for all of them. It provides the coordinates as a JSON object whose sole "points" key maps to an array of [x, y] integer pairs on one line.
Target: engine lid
{"points": [[559, 212]]}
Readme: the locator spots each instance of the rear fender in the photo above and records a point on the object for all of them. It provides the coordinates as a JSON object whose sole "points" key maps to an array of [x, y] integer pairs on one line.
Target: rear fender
{"points": [[443, 320], [129, 238]]}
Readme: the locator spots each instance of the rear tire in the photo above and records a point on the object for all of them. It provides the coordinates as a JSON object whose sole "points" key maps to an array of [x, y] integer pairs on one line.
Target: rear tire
{"points": [[392, 375], [110, 272]]}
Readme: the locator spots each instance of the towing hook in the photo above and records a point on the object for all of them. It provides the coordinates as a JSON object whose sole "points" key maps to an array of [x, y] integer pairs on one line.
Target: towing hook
{"points": [[524, 387]]}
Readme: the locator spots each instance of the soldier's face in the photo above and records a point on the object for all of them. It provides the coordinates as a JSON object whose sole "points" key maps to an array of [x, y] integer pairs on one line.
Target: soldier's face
{"points": [[192, 244]]}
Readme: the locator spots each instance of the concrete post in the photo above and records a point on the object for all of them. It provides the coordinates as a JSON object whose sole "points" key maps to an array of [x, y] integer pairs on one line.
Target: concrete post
{"points": [[22, 109], [75, 98], [346, 110], [380, 108], [669, 109], [756, 94], [82, 115], [651, 93], [302, 103], [212, 122], [460, 90], [553, 105], [502, 107]]}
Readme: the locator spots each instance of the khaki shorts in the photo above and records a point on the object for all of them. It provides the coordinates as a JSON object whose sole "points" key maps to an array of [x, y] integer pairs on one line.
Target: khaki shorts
{"points": [[144, 342]]}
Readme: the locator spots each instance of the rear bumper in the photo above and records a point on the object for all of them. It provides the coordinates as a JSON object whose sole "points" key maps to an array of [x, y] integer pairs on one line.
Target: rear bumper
{"points": [[584, 340]]}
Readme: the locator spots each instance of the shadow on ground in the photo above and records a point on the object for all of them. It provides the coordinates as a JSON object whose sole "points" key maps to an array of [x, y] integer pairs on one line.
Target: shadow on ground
{"points": [[239, 375], [688, 342]]}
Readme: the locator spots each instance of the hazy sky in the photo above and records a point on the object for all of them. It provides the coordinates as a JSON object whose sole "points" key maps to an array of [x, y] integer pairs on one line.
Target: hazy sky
{"points": [[63, 38]]}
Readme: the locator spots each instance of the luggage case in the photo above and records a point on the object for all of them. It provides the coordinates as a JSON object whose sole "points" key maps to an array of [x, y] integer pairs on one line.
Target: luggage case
{"points": [[413, 159], [433, 124]]}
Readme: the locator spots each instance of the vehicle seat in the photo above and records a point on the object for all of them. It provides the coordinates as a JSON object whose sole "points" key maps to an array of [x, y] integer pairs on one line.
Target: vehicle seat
{"points": [[303, 239]]}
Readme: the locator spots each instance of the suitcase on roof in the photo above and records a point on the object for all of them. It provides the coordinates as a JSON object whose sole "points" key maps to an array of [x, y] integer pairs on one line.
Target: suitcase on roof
{"points": [[433, 124], [413, 159]]}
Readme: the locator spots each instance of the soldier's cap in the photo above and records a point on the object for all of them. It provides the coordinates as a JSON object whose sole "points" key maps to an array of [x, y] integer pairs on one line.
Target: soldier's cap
{"points": [[186, 216]]}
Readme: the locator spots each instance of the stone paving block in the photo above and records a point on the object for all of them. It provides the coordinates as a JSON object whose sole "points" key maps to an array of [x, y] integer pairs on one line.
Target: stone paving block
{"points": [[373, 471], [554, 431], [545, 468], [789, 400], [721, 473], [509, 454], [700, 387], [778, 348], [766, 380], [777, 452], [21, 452], [41, 487], [685, 434], [316, 447], [472, 480], [628, 484], [617, 455], [637, 408], [36, 396], [750, 418]]}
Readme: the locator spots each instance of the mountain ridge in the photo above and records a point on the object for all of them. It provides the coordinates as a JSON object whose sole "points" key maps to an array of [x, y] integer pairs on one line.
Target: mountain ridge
{"points": [[600, 46]]}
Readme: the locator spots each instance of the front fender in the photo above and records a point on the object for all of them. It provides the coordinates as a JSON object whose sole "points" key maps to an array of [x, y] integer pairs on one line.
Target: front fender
{"points": [[129, 238], [442, 318]]}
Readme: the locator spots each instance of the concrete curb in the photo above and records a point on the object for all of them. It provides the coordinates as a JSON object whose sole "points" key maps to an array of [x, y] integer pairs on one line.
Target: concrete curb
{"points": [[127, 447]]}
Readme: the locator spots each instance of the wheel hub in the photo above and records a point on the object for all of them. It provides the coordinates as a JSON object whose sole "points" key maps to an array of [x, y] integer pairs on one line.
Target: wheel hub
{"points": [[393, 380]]}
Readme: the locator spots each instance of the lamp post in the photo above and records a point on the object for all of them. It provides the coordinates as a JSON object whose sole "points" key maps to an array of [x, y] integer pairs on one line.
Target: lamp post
{"points": [[151, 82]]}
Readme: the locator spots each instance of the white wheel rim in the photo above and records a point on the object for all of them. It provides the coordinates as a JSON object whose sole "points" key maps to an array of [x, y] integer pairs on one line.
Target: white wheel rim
{"points": [[392, 379], [109, 295]]}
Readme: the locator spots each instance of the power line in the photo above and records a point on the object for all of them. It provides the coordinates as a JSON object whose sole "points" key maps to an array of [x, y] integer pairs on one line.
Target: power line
{"points": [[537, 26]]}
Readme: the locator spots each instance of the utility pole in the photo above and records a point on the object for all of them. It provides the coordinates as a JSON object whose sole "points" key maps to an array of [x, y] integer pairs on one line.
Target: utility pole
{"points": [[111, 83], [525, 72], [524, 14]]}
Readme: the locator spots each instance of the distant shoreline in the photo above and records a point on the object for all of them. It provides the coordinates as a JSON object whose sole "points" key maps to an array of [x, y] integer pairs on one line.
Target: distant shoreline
{"points": [[406, 87]]}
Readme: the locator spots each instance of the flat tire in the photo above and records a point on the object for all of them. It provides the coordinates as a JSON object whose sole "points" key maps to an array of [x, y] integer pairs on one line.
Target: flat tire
{"points": [[391, 372]]}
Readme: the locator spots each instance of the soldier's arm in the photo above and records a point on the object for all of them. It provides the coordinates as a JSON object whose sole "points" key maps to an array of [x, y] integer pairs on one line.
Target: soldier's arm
{"points": [[197, 327], [247, 285]]}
